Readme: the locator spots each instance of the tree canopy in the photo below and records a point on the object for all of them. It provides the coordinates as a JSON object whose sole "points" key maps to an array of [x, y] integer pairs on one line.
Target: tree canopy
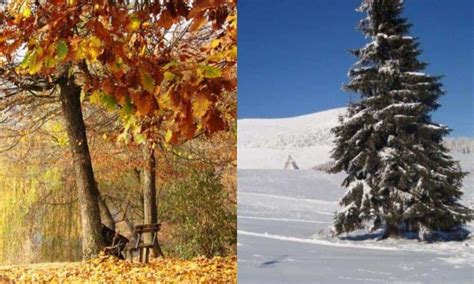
{"points": [[170, 60]]}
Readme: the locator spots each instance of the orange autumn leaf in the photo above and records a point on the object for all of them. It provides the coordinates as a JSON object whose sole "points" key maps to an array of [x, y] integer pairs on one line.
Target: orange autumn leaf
{"points": [[166, 20], [213, 121], [144, 102]]}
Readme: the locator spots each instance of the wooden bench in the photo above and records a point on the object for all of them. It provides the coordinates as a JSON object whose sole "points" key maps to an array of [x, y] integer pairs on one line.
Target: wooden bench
{"points": [[141, 246]]}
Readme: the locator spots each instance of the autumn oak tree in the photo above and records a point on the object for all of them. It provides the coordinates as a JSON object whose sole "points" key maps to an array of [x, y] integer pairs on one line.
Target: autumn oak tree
{"points": [[125, 55]]}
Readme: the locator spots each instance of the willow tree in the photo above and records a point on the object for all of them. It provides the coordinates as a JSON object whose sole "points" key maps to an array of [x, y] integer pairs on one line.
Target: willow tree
{"points": [[118, 55], [400, 177]]}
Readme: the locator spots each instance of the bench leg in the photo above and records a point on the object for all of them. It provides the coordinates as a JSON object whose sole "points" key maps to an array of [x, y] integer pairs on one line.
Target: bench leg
{"points": [[147, 250], [160, 252]]}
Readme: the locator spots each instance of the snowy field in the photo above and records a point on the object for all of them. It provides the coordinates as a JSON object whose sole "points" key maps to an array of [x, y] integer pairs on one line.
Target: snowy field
{"points": [[284, 217]]}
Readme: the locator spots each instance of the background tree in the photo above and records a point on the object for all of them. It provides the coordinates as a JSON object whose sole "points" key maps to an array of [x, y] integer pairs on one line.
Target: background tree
{"points": [[400, 176]]}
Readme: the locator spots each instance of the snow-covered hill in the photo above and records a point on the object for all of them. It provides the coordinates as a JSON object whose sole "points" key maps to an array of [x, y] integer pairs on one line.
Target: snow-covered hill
{"points": [[267, 143], [307, 139]]}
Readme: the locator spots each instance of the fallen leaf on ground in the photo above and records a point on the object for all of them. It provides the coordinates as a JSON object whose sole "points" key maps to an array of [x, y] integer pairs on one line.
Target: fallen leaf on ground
{"points": [[106, 269]]}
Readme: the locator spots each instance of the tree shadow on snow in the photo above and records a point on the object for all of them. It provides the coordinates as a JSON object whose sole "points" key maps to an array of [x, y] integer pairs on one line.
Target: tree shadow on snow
{"points": [[458, 235], [272, 263], [362, 236]]}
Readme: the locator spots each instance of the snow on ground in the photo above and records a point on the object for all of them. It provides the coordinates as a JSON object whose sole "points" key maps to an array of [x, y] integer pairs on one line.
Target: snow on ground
{"points": [[284, 218], [280, 214]]}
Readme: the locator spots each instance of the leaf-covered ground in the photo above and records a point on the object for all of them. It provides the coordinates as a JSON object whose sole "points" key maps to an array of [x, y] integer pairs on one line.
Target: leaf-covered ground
{"points": [[107, 269]]}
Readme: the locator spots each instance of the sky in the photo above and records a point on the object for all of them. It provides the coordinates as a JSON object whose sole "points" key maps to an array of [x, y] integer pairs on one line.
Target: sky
{"points": [[293, 55]]}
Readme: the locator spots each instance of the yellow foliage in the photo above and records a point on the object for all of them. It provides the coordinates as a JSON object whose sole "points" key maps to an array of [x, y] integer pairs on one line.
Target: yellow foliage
{"points": [[26, 12], [147, 81], [200, 106], [134, 24], [107, 269], [215, 43], [165, 102], [89, 48]]}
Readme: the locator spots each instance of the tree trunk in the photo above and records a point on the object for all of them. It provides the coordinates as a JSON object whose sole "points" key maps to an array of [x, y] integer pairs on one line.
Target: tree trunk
{"points": [[88, 195], [126, 229], [105, 214], [150, 211], [391, 231]]}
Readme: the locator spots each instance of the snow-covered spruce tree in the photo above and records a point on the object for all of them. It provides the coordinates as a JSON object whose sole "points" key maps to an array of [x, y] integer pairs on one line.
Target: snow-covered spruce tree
{"points": [[400, 176]]}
